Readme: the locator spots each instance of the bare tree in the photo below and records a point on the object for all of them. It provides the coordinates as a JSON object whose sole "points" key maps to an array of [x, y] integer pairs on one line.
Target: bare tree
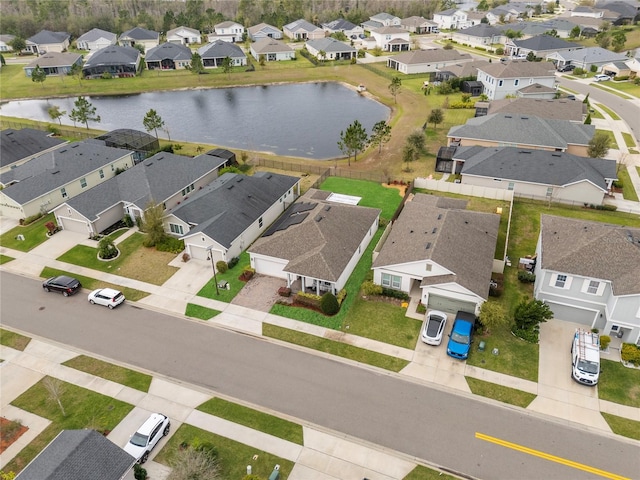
{"points": [[55, 389], [194, 463]]}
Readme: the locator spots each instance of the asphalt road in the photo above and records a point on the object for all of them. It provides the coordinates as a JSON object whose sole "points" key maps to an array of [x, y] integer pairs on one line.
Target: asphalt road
{"points": [[382, 408]]}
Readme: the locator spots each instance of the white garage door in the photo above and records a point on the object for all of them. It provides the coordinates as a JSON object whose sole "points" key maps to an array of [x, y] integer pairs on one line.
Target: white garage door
{"points": [[73, 225], [572, 314], [270, 267], [437, 302], [199, 253]]}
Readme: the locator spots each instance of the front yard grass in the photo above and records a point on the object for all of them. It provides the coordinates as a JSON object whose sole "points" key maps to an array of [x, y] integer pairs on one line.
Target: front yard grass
{"points": [[84, 409], [612, 138], [263, 422], [34, 234], [424, 473], [373, 194], [619, 384], [332, 347], [233, 456], [200, 312], [13, 340], [628, 190], [135, 261], [5, 259], [501, 393], [628, 140], [109, 371], [610, 112], [623, 426], [231, 277], [93, 284]]}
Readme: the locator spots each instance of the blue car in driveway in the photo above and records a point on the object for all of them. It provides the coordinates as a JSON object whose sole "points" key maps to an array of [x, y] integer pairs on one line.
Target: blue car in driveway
{"points": [[461, 335]]}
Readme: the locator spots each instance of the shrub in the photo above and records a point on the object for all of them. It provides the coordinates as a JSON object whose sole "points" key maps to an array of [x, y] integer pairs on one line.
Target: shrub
{"points": [[284, 291], [128, 221], [329, 304], [139, 473], [617, 184], [53, 130], [342, 294], [587, 121], [593, 69], [186, 257], [221, 266], [630, 353], [421, 308], [578, 71], [390, 292], [233, 262], [169, 244], [31, 219], [107, 249], [106, 76], [482, 49], [636, 81], [499, 51], [308, 299], [595, 330], [621, 78], [448, 46], [51, 227], [605, 340], [526, 277], [370, 288], [530, 336], [459, 105]]}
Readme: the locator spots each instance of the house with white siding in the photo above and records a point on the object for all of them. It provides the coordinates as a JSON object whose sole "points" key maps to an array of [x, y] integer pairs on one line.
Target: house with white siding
{"points": [[302, 30], [227, 32], [426, 61], [506, 79], [46, 41], [95, 39], [264, 30], [272, 50], [184, 36], [333, 49], [139, 36], [391, 39]]}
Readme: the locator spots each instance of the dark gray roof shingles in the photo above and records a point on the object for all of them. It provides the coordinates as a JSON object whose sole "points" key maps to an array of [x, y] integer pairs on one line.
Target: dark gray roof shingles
{"points": [[17, 145]]}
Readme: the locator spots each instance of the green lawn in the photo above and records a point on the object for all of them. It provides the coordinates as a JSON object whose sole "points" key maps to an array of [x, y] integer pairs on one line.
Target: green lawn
{"points": [[623, 426], [610, 112], [613, 90], [233, 457], [263, 422], [198, 311], [373, 194], [609, 134], [596, 114], [34, 234], [84, 409], [628, 140], [424, 473], [628, 190], [231, 277], [501, 393], [13, 340], [619, 384], [334, 348], [5, 259], [626, 87], [93, 284], [109, 371]]}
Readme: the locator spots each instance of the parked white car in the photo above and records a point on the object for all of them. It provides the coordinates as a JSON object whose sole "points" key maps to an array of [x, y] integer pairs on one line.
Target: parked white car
{"points": [[601, 78], [106, 296], [433, 327], [147, 436]]}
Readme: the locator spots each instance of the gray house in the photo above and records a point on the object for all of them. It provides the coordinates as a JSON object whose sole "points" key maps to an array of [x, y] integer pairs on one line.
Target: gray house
{"points": [[54, 63], [333, 49], [139, 36], [168, 56], [427, 61], [540, 46], [95, 39], [587, 272], [272, 50], [18, 146], [213, 54], [586, 57], [558, 109], [46, 41], [114, 60]]}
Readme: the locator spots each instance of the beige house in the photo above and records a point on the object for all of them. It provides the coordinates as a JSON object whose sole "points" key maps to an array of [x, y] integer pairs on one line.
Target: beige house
{"points": [[273, 50], [426, 61]]}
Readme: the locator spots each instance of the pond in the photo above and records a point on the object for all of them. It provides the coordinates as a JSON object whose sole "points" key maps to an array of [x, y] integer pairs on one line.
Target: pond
{"points": [[299, 120]]}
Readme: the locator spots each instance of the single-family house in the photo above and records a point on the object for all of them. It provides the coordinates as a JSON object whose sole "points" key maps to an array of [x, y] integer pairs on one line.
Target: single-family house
{"points": [[454, 19], [46, 41], [317, 243], [628, 68], [418, 25], [333, 49], [164, 178], [523, 131], [379, 20], [506, 79], [168, 56], [53, 177], [95, 39], [142, 144], [540, 46], [271, 50], [5, 42], [426, 61], [302, 30], [54, 63], [116, 61], [440, 251], [264, 30], [213, 54], [139, 36], [508, 13], [80, 454], [220, 221], [18, 146], [557, 108], [620, 12], [481, 35], [586, 57], [587, 272], [461, 70], [587, 11], [538, 174], [184, 36], [391, 39], [227, 32], [561, 27], [343, 26]]}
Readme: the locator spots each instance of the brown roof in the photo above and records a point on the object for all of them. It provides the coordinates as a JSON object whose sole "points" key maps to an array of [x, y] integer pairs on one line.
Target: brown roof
{"points": [[558, 109], [438, 229], [55, 59], [536, 88], [519, 69], [593, 250], [467, 69], [433, 55], [270, 45]]}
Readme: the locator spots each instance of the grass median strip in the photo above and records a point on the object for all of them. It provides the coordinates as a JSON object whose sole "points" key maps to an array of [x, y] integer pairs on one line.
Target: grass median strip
{"points": [[501, 393], [611, 113], [334, 348], [255, 419], [13, 340], [628, 190], [424, 473], [200, 312], [5, 259], [628, 140], [623, 426], [109, 371], [619, 384]]}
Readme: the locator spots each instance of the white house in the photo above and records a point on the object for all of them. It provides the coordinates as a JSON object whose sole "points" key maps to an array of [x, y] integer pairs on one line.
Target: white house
{"points": [[426, 61], [302, 30], [272, 50], [333, 49], [454, 19], [343, 26], [264, 30], [139, 36], [46, 41], [379, 20], [184, 36], [5, 42], [95, 39], [506, 79], [418, 25], [227, 32], [391, 39], [482, 35]]}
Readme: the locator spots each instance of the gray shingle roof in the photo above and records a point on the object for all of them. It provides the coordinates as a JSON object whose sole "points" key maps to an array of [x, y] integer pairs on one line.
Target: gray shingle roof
{"points": [[45, 37], [593, 250], [481, 30], [16, 145], [96, 34], [339, 25], [391, 30], [461, 241], [520, 69], [539, 166], [320, 249], [545, 42], [262, 26], [416, 21], [592, 55], [156, 178], [559, 109], [139, 33], [270, 45], [230, 204], [79, 455], [172, 51], [301, 24], [330, 44], [434, 55], [221, 49], [524, 130], [55, 169], [466, 69], [113, 55], [55, 59]]}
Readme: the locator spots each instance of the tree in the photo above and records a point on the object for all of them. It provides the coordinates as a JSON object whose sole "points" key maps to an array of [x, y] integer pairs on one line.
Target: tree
{"points": [[353, 140], [599, 145], [603, 39], [618, 39], [84, 112], [436, 116], [227, 66], [394, 87], [18, 44], [380, 134], [153, 121], [55, 389], [409, 154], [530, 313], [55, 113], [76, 71], [322, 55], [493, 316], [575, 32], [152, 224], [38, 75], [194, 463], [417, 140], [196, 66]]}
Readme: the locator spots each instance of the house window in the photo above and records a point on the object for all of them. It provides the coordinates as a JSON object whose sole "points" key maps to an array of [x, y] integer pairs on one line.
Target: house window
{"points": [[511, 186], [516, 82], [500, 83], [260, 222], [83, 182], [429, 267], [592, 288], [101, 173], [391, 281], [177, 229], [187, 189], [561, 281], [63, 192], [113, 169], [549, 191]]}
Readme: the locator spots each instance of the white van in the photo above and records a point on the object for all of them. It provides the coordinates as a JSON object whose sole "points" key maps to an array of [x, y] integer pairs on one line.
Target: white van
{"points": [[585, 357]]}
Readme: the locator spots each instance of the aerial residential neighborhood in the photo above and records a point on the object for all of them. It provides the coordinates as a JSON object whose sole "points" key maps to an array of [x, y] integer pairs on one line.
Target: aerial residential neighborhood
{"points": [[335, 242]]}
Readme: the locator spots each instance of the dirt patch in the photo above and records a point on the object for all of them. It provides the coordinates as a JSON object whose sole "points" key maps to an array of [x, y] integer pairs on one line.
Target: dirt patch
{"points": [[10, 431], [401, 188]]}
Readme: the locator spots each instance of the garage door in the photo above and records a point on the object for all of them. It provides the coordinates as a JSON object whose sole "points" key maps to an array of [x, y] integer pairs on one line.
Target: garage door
{"points": [[572, 314], [269, 267], [197, 252], [72, 225], [436, 302]]}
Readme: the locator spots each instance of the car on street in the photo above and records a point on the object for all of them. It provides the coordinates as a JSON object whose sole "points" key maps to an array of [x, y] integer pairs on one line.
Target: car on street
{"points": [[106, 296], [147, 436], [62, 283], [601, 77], [433, 327], [461, 335]]}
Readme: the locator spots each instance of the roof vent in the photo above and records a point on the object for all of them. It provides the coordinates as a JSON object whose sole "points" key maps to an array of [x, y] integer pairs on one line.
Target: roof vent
{"points": [[229, 187], [428, 246], [62, 151], [239, 179], [75, 146], [57, 171], [508, 116], [318, 218], [327, 208], [556, 155], [466, 222], [439, 216], [435, 229]]}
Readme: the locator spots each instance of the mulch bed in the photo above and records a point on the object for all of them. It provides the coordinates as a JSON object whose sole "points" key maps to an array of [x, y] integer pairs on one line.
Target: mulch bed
{"points": [[9, 433]]}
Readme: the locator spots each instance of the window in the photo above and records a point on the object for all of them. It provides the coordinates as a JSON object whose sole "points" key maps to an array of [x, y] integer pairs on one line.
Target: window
{"points": [[63, 192], [516, 82], [83, 182], [549, 191], [101, 173], [177, 229], [260, 222], [187, 189], [593, 287], [511, 186], [113, 169], [561, 281], [500, 83], [391, 281]]}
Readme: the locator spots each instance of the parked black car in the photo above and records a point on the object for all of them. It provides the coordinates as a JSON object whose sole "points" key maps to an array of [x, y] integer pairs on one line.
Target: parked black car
{"points": [[566, 68], [66, 285]]}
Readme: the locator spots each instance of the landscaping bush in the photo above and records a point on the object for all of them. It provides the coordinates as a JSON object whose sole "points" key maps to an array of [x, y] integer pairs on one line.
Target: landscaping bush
{"points": [[233, 262], [587, 121], [593, 69], [630, 353], [448, 46], [342, 294], [107, 249], [127, 221], [284, 291], [139, 473], [247, 274], [31, 219], [221, 266], [617, 184], [329, 304], [530, 336], [459, 105], [526, 277], [578, 71], [605, 340], [482, 49], [499, 51], [370, 288], [170, 244], [308, 299], [389, 292], [621, 78]]}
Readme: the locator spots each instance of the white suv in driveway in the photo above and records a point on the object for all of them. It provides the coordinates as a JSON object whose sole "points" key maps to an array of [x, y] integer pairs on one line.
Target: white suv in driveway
{"points": [[601, 77], [148, 435]]}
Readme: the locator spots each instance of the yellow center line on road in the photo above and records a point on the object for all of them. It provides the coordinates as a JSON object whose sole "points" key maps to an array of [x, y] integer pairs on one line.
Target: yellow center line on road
{"points": [[551, 458]]}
